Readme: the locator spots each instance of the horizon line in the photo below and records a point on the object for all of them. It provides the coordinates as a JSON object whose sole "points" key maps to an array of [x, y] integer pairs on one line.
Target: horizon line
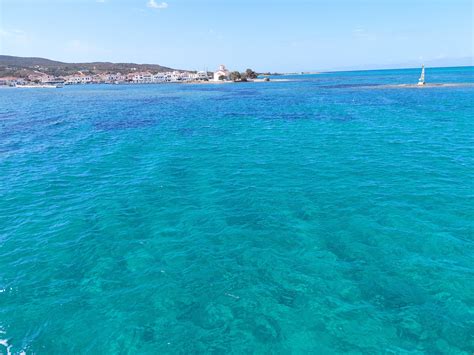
{"points": [[299, 72]]}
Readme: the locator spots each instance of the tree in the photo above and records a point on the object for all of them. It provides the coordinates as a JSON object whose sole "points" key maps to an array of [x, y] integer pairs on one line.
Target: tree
{"points": [[235, 76], [221, 77], [250, 74]]}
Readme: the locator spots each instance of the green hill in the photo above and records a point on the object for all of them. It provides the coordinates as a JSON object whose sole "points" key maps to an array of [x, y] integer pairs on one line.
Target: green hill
{"points": [[24, 66]]}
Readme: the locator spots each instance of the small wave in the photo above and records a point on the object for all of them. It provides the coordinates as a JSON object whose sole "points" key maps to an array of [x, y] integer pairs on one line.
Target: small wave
{"points": [[6, 345], [4, 342]]}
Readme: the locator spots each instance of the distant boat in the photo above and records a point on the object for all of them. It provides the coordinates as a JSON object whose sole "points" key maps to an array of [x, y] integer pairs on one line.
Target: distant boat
{"points": [[421, 80]]}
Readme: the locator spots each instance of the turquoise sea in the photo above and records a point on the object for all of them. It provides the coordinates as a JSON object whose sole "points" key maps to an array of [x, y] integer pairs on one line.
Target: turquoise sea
{"points": [[321, 215]]}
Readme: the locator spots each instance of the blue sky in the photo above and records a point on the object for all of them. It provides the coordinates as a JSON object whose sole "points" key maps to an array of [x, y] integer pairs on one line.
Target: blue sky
{"points": [[262, 34]]}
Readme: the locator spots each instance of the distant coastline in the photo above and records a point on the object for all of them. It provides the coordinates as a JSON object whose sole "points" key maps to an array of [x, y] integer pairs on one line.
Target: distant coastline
{"points": [[41, 72]]}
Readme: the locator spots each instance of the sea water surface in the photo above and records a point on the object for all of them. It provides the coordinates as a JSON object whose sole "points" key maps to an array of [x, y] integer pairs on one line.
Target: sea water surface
{"points": [[320, 215]]}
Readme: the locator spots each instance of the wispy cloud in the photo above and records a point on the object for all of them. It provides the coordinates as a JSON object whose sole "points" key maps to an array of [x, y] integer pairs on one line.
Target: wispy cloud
{"points": [[101, 1], [361, 33], [77, 46], [358, 31], [154, 5], [15, 41], [14, 35], [11, 33], [215, 34]]}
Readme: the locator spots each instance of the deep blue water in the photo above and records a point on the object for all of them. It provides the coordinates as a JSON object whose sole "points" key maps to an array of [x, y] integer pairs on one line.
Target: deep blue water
{"points": [[321, 215]]}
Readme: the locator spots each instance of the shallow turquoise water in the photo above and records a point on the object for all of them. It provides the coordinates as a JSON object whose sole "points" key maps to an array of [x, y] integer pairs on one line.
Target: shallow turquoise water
{"points": [[312, 216]]}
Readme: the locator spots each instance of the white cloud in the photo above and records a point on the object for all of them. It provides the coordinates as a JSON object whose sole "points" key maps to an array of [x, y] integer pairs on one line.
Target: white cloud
{"points": [[18, 37], [363, 34], [154, 5], [11, 33]]}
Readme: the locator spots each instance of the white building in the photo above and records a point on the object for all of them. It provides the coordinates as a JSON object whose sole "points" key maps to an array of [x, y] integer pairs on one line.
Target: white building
{"points": [[142, 78], [11, 81], [202, 75], [159, 78], [222, 72], [111, 78], [79, 79]]}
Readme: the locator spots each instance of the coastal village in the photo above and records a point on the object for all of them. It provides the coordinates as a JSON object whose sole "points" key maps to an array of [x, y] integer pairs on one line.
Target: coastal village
{"points": [[38, 78]]}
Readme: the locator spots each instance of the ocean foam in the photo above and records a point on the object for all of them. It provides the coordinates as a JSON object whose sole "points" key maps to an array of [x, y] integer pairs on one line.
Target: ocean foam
{"points": [[4, 342]]}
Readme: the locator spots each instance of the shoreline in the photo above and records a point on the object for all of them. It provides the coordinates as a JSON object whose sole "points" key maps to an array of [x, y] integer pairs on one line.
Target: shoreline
{"points": [[234, 82], [210, 82]]}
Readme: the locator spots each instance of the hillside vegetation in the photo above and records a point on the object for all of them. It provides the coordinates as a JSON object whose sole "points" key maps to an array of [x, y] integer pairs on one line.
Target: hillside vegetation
{"points": [[24, 66]]}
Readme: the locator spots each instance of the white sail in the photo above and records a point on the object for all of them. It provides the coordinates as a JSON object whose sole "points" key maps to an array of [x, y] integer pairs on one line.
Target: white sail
{"points": [[421, 80]]}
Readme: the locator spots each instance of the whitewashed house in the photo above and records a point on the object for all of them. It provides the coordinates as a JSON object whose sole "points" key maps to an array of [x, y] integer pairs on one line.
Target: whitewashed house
{"points": [[147, 78], [112, 78], [198, 76], [202, 75], [79, 79], [11, 81], [186, 76], [175, 76], [142, 78], [159, 78]]}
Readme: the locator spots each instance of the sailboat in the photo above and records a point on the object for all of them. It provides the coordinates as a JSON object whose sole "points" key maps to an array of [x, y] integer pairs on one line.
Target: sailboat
{"points": [[421, 80]]}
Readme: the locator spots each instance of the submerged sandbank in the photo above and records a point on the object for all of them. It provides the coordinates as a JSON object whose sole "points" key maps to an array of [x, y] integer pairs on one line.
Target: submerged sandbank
{"points": [[416, 86]]}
